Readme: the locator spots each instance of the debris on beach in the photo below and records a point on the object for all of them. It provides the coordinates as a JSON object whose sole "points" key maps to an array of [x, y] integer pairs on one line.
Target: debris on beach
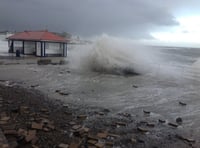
{"points": [[182, 103], [190, 140], [173, 124], [146, 112], [32, 122], [161, 120], [142, 129], [134, 86], [179, 120]]}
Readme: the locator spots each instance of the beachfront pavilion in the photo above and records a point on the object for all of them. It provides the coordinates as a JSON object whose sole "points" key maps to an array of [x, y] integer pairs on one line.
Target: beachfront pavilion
{"points": [[38, 43]]}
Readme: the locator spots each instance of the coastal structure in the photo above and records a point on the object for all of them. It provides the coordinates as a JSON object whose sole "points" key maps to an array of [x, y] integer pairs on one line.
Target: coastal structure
{"points": [[38, 43]]}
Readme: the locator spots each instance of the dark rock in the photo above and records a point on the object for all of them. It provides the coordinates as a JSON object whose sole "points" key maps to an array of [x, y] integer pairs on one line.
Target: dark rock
{"points": [[83, 117], [140, 141], [15, 109], [64, 93], [121, 123], [146, 112], [101, 113], [173, 124], [142, 129], [161, 120], [134, 86], [182, 103], [36, 85], [179, 120], [106, 110], [57, 91], [151, 124], [184, 138]]}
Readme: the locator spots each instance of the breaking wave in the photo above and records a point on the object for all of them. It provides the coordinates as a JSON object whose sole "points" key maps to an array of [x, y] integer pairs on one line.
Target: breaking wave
{"points": [[112, 55]]}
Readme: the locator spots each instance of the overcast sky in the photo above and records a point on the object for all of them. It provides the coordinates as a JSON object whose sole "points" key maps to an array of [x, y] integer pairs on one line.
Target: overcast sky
{"points": [[126, 18]]}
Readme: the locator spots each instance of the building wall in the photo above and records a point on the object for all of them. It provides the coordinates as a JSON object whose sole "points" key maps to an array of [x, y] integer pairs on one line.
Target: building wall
{"points": [[29, 47]]}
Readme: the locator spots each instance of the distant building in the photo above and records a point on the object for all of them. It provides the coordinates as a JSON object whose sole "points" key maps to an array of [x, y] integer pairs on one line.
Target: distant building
{"points": [[38, 43]]}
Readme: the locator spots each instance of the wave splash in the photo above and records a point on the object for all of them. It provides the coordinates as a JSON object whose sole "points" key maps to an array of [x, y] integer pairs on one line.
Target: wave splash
{"points": [[113, 55]]}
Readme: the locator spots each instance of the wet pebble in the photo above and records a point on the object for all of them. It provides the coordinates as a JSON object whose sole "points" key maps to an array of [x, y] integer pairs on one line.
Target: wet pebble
{"points": [[179, 120], [106, 110], [185, 139], [182, 103], [173, 124], [142, 129], [146, 112], [161, 120], [150, 124], [134, 86]]}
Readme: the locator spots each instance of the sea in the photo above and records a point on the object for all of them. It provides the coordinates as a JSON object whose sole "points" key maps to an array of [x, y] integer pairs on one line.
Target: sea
{"points": [[123, 76]]}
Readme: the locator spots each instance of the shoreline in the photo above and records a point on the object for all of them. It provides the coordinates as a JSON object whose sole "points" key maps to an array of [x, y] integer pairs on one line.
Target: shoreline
{"points": [[54, 123]]}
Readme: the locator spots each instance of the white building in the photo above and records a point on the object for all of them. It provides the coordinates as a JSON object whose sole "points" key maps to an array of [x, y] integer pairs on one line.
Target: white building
{"points": [[38, 43]]}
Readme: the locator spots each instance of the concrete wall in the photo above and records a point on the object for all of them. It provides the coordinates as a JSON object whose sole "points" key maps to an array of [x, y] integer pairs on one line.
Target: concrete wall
{"points": [[29, 47]]}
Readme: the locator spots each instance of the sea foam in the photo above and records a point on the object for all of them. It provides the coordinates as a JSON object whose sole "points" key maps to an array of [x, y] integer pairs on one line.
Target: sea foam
{"points": [[113, 55]]}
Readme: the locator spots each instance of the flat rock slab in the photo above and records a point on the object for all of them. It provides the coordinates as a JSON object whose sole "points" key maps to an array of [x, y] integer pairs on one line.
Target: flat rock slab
{"points": [[102, 135], [62, 145], [31, 135], [37, 126]]}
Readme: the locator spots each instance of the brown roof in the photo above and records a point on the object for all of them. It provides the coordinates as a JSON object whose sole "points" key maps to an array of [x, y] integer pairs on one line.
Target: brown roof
{"points": [[37, 36]]}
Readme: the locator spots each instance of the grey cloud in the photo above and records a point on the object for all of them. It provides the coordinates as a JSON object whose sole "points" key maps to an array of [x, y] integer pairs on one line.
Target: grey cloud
{"points": [[132, 18]]}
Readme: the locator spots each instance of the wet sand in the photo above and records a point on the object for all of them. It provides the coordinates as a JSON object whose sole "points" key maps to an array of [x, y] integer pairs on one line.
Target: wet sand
{"points": [[104, 113]]}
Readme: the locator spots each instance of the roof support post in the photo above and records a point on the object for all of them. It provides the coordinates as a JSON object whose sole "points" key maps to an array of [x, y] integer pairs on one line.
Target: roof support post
{"points": [[41, 48], [35, 48], [9, 46], [44, 51], [12, 46], [23, 46], [63, 48]]}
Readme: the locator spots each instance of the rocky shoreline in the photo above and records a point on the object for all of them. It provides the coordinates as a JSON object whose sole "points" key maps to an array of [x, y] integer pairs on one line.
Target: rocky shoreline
{"points": [[29, 118]]}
